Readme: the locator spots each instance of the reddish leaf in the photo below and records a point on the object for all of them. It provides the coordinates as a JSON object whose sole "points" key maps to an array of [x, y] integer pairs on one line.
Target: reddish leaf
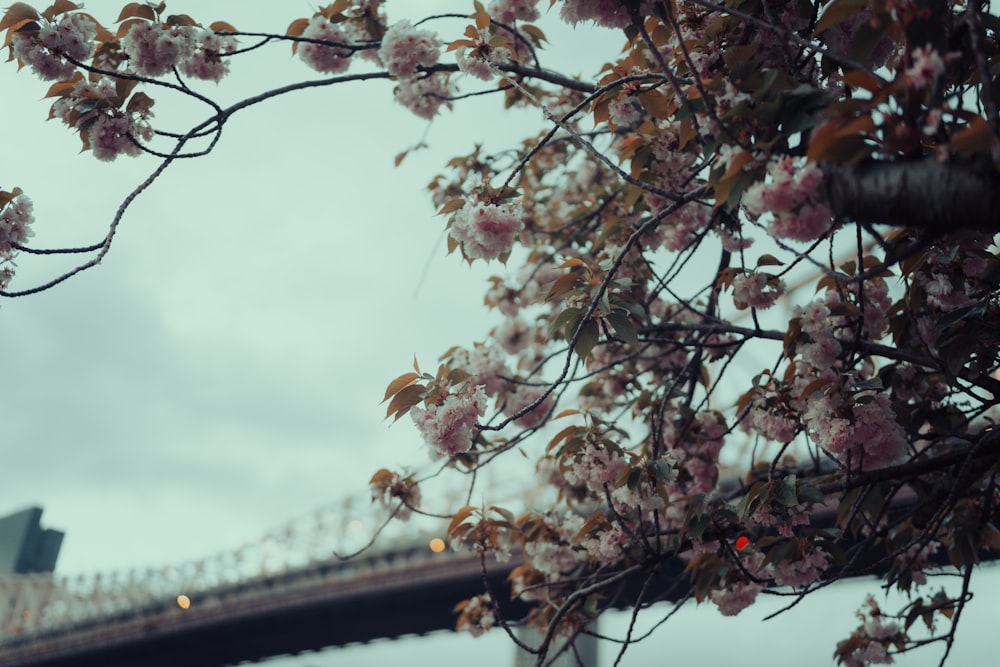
{"points": [[140, 103], [382, 478], [451, 206], [297, 27], [975, 137], [404, 400], [181, 20], [460, 516], [222, 26], [404, 380], [136, 10], [563, 284], [537, 35], [19, 12], [64, 88], [769, 260], [59, 7]]}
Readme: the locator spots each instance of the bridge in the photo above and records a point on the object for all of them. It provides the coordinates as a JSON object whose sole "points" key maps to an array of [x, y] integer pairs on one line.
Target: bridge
{"points": [[291, 591]]}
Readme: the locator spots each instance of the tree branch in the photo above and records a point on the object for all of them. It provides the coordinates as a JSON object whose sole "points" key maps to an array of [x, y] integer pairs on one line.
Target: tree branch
{"points": [[938, 197]]}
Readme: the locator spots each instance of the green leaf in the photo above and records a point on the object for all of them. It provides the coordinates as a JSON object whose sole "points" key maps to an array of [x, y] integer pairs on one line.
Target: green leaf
{"points": [[589, 334], [784, 492], [623, 327], [571, 317]]}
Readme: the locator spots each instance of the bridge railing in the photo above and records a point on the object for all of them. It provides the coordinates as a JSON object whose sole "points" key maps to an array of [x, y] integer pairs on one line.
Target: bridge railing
{"points": [[40, 604]]}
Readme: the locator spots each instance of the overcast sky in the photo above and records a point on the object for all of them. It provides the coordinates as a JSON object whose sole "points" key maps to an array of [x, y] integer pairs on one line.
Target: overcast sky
{"points": [[220, 372]]}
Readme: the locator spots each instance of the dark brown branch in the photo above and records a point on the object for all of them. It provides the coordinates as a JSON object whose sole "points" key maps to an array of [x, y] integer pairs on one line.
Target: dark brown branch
{"points": [[938, 197]]}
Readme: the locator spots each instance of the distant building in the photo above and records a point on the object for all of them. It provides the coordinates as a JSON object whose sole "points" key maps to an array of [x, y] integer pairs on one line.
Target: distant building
{"points": [[25, 546]]}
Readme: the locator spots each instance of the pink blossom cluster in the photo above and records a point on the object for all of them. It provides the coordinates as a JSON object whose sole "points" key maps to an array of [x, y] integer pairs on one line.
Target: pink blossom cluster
{"points": [[472, 65], [509, 11], [861, 431], [792, 193], [514, 334], [115, 134], [476, 615], [15, 222], [680, 229], [206, 62], [783, 519], [877, 632], [595, 466], [553, 553], [494, 47], [487, 231], [624, 110], [396, 494], [941, 291], [527, 288], [108, 131], [85, 94], [869, 653], [756, 289], [948, 280], [694, 450], [326, 58], [46, 50], [803, 571], [423, 96], [607, 545], [486, 364], [877, 304], [770, 416], [6, 272], [926, 67], [919, 558], [405, 48], [606, 390], [642, 498], [735, 597], [823, 349], [450, 424], [154, 49], [521, 397], [736, 593], [607, 13]]}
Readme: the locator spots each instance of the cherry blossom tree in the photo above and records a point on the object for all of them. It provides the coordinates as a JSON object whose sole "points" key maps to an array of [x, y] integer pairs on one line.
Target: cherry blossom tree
{"points": [[807, 189]]}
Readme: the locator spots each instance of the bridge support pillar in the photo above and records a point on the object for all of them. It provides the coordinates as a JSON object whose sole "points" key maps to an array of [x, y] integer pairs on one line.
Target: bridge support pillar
{"points": [[584, 656]]}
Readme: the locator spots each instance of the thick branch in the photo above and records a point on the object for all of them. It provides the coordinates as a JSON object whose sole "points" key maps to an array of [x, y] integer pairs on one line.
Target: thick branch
{"points": [[938, 197]]}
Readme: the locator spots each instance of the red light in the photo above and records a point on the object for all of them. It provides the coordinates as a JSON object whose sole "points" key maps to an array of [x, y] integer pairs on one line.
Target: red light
{"points": [[742, 542]]}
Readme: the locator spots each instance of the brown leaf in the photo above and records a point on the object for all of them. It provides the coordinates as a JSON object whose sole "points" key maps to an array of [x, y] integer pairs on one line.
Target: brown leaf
{"points": [[59, 7], [460, 516], [975, 137], [222, 26], [404, 400], [17, 13], [451, 206], [181, 20], [403, 381], [297, 27], [136, 10]]}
